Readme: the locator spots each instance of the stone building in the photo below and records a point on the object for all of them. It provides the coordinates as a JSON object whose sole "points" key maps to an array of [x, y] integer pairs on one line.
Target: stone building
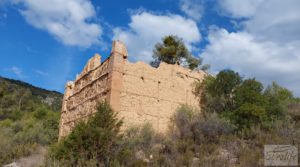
{"points": [[137, 91]]}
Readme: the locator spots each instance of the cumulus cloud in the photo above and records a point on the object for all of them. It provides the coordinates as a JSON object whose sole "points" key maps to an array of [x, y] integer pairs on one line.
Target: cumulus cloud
{"points": [[192, 8], [268, 45], [146, 29], [238, 8], [265, 60], [276, 20], [69, 21]]}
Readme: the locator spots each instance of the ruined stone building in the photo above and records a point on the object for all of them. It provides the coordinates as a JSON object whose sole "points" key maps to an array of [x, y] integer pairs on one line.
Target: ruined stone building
{"points": [[137, 91]]}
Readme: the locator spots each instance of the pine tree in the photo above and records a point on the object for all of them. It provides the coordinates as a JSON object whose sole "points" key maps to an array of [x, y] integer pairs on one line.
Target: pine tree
{"points": [[172, 50]]}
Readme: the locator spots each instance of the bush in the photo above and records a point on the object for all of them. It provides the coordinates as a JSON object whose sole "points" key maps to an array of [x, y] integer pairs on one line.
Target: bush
{"points": [[194, 139], [183, 120], [211, 128], [199, 127], [248, 115], [91, 142]]}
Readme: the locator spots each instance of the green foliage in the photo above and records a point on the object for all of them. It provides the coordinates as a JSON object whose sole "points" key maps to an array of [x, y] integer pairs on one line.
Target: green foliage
{"points": [[194, 63], [174, 51], [26, 121], [95, 140], [279, 99], [16, 87], [40, 113], [194, 139], [248, 115], [243, 102], [171, 51], [279, 92], [225, 83], [217, 93], [21, 138], [250, 91], [18, 98], [212, 140], [250, 104]]}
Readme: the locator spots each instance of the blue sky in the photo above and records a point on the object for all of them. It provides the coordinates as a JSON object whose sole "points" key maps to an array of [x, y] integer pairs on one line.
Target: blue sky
{"points": [[47, 42]]}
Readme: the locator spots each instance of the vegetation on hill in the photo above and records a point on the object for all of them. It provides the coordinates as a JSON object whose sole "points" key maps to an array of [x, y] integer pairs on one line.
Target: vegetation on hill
{"points": [[238, 117], [173, 51], [29, 118], [52, 98], [245, 102]]}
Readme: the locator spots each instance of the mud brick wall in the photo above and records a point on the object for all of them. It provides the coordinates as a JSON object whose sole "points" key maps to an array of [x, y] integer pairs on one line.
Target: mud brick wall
{"points": [[138, 92]]}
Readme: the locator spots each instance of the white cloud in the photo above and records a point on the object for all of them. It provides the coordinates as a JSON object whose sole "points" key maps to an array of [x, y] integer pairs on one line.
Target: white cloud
{"points": [[239, 8], [268, 46], [146, 29], [192, 8], [41, 73], [276, 20], [16, 71], [69, 21], [265, 60]]}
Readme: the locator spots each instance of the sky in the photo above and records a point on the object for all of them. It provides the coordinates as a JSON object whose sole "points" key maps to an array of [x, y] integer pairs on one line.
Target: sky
{"points": [[47, 42]]}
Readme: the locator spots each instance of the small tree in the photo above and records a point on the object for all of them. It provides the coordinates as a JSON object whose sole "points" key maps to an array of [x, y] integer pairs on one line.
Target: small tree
{"points": [[217, 93], [250, 91], [173, 51], [279, 100]]}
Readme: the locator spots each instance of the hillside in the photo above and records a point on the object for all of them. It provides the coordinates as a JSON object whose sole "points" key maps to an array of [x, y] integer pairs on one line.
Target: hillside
{"points": [[29, 118], [238, 118], [52, 98]]}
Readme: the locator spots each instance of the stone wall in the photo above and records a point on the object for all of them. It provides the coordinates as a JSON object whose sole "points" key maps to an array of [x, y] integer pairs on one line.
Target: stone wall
{"points": [[137, 91], [153, 94]]}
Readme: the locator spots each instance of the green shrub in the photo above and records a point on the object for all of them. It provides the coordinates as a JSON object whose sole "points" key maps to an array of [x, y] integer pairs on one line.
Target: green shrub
{"points": [[248, 115], [40, 113], [94, 141], [194, 139], [26, 122]]}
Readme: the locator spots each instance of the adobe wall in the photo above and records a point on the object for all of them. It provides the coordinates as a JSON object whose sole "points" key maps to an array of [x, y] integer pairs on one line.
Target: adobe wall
{"points": [[153, 94], [137, 91], [97, 82], [81, 95]]}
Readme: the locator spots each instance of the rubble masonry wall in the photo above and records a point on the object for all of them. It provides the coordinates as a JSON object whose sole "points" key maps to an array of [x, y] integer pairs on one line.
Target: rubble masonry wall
{"points": [[138, 92]]}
